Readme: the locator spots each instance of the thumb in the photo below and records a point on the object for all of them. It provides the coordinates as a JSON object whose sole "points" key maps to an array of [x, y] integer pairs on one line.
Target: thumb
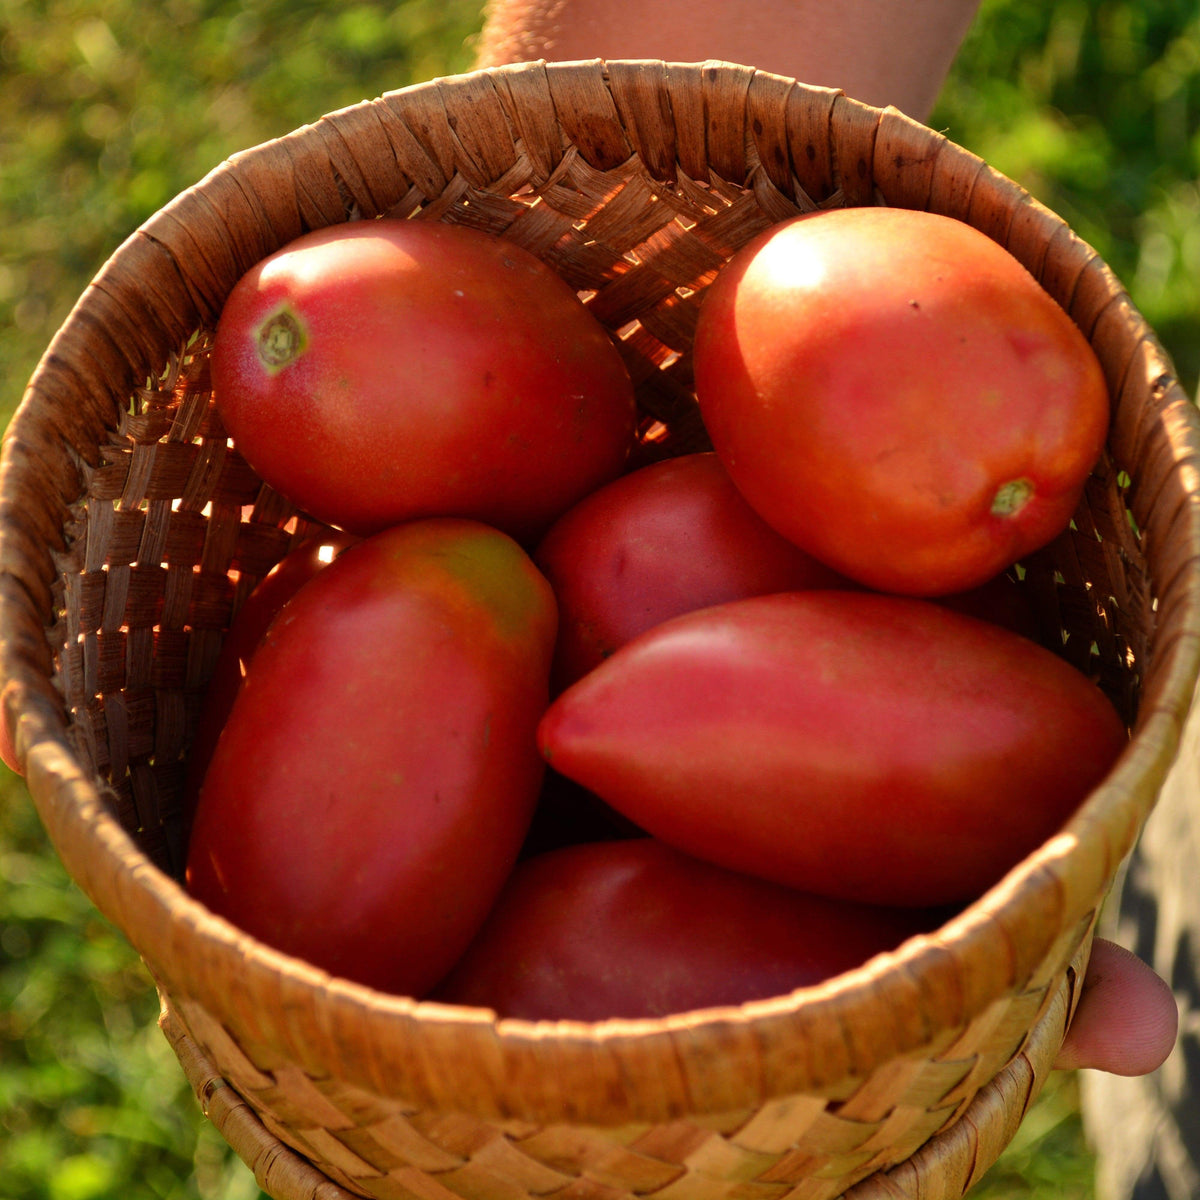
{"points": [[1126, 1020]]}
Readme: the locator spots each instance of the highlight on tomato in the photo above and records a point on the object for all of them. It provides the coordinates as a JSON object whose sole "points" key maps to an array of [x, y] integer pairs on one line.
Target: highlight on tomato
{"points": [[894, 392]]}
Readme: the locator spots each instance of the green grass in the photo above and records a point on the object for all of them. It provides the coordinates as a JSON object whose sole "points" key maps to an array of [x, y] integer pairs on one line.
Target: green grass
{"points": [[111, 109], [93, 1103]]}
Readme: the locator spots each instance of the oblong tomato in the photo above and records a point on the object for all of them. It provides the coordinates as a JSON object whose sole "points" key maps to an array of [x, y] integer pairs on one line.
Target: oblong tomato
{"points": [[633, 928], [893, 391], [420, 369], [872, 747], [243, 637], [377, 772], [663, 540]]}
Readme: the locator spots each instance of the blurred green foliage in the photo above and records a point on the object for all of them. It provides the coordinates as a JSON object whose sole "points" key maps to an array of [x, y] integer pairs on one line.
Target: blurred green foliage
{"points": [[108, 110], [112, 108], [1094, 106], [92, 1101]]}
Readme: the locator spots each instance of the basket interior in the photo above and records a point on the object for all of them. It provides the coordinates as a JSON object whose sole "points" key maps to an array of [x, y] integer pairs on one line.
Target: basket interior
{"points": [[173, 529]]}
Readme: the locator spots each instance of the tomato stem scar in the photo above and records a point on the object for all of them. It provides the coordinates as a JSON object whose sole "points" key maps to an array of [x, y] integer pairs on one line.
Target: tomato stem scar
{"points": [[281, 339], [1011, 497]]}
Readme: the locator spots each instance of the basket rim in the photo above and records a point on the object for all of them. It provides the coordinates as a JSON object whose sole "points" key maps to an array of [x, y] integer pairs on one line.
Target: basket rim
{"points": [[986, 1127], [1040, 900]]}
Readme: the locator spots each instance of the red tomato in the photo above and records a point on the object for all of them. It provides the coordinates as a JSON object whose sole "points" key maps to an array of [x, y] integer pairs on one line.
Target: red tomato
{"points": [[245, 633], [894, 392], [872, 747], [635, 929], [661, 541], [382, 370], [377, 773]]}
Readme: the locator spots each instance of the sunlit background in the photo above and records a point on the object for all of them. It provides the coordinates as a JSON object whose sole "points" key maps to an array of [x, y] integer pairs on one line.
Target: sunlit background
{"points": [[107, 110]]}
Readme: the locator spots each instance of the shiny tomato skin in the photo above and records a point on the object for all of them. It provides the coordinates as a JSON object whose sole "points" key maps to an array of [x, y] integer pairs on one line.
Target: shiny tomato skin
{"points": [[633, 928], [872, 747], [894, 392], [378, 371], [663, 540], [377, 773], [243, 637]]}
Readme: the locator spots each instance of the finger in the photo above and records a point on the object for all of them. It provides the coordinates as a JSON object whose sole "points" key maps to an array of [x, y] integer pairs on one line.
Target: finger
{"points": [[1126, 1020]]}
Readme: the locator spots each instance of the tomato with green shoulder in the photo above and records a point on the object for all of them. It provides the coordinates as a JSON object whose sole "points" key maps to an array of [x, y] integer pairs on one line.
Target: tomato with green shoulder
{"points": [[378, 770]]}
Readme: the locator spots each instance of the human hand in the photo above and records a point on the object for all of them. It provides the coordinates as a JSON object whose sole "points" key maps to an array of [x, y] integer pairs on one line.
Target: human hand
{"points": [[1126, 1020]]}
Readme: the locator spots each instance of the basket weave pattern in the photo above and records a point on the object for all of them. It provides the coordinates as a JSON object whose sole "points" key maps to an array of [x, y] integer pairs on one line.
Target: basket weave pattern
{"points": [[131, 530]]}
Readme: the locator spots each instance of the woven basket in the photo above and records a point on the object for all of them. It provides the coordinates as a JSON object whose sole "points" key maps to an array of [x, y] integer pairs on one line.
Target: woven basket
{"points": [[130, 531]]}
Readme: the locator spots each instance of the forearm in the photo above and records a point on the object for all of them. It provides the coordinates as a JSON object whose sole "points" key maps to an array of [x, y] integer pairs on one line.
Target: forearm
{"points": [[881, 51]]}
